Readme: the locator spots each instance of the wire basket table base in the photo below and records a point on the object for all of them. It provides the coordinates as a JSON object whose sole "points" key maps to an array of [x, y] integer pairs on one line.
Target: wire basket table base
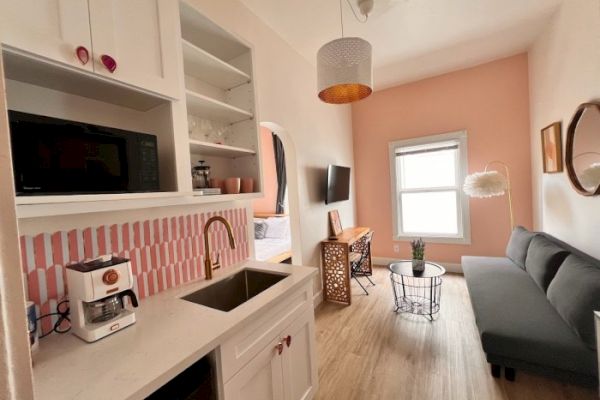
{"points": [[418, 295]]}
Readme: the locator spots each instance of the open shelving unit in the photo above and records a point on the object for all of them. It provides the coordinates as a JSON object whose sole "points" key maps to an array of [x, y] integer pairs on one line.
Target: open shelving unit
{"points": [[204, 66], [220, 99], [219, 150], [206, 107]]}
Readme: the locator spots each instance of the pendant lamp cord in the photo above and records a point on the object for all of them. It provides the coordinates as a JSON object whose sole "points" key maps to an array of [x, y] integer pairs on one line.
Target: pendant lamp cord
{"points": [[341, 18], [362, 21]]}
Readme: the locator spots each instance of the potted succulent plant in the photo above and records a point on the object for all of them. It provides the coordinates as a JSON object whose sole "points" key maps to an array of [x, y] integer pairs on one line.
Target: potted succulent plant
{"points": [[418, 255]]}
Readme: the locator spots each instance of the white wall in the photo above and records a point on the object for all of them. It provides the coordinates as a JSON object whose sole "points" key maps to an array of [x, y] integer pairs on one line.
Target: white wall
{"points": [[564, 71]]}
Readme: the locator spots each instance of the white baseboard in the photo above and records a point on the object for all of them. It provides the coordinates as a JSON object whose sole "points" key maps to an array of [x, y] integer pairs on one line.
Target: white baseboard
{"points": [[317, 299], [450, 267]]}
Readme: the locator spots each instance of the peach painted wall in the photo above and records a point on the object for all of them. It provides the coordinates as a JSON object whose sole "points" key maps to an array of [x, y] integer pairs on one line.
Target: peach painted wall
{"points": [[266, 204], [491, 102]]}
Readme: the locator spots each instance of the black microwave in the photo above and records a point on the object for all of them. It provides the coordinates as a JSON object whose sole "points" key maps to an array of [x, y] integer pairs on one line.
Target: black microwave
{"points": [[53, 156]]}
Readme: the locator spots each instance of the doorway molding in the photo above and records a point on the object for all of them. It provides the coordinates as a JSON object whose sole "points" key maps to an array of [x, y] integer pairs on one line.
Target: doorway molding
{"points": [[291, 167]]}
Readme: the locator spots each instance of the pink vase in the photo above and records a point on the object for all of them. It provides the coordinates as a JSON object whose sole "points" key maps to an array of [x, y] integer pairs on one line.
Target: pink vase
{"points": [[232, 185], [247, 185]]}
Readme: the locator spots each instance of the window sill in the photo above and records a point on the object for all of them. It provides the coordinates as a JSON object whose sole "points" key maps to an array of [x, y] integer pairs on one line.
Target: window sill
{"points": [[434, 239]]}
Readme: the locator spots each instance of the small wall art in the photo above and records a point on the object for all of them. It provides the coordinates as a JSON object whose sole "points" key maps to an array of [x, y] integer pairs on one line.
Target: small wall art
{"points": [[552, 148], [335, 223]]}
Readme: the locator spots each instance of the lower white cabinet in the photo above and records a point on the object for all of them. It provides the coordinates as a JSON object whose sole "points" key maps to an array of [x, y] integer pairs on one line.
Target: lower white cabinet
{"points": [[260, 379], [299, 359], [283, 369]]}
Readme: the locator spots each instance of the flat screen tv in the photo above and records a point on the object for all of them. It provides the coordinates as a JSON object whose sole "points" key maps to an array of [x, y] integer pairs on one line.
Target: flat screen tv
{"points": [[338, 184]]}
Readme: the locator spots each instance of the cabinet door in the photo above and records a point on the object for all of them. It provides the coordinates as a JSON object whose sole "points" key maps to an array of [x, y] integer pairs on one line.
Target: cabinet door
{"points": [[299, 359], [50, 28], [142, 38], [260, 379]]}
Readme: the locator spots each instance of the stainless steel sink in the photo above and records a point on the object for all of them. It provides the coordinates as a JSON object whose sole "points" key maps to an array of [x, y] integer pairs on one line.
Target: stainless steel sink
{"points": [[235, 290]]}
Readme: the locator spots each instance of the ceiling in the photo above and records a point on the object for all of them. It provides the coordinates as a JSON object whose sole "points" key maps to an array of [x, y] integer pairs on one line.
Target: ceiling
{"points": [[413, 39]]}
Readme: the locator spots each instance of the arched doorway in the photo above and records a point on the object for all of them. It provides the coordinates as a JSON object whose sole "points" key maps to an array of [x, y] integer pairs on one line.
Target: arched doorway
{"points": [[270, 133]]}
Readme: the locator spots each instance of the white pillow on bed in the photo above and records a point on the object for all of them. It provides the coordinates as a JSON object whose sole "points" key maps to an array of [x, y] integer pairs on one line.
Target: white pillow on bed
{"points": [[260, 229], [278, 227]]}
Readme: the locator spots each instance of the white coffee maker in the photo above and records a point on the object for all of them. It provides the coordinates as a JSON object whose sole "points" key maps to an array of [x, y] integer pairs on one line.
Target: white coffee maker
{"points": [[96, 292]]}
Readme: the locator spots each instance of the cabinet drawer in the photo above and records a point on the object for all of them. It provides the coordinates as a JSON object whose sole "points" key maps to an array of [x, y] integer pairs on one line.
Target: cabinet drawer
{"points": [[251, 339]]}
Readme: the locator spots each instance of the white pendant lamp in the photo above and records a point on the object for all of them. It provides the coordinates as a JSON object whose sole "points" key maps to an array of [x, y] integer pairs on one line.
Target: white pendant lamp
{"points": [[344, 66]]}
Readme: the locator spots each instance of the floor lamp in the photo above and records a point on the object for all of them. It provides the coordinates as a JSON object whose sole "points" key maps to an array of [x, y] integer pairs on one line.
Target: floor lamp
{"points": [[490, 183]]}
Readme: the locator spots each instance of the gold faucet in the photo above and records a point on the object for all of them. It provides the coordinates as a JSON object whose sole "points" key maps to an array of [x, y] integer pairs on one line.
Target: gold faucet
{"points": [[208, 264]]}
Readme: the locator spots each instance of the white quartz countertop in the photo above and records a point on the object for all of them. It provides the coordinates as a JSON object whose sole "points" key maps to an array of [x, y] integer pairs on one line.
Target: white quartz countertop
{"points": [[170, 334]]}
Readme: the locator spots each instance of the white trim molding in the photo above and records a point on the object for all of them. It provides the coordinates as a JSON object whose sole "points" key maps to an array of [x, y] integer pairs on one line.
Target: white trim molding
{"points": [[317, 298], [457, 138], [453, 268]]}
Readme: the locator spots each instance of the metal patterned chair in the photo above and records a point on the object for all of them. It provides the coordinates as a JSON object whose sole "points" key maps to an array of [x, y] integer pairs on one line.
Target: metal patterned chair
{"points": [[357, 259]]}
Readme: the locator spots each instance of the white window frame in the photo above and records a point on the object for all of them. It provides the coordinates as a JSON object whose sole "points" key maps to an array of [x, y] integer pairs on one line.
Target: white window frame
{"points": [[463, 215]]}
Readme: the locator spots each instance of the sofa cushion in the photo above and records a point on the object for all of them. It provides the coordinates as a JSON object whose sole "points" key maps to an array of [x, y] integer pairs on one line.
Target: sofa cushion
{"points": [[516, 320], [575, 293], [518, 244], [543, 260]]}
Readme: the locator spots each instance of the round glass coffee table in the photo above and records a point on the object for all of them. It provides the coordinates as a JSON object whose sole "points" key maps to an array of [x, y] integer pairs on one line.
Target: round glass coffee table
{"points": [[417, 292]]}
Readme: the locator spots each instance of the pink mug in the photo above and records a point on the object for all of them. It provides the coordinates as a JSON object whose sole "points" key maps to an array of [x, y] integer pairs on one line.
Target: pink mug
{"points": [[247, 185], [215, 183], [232, 185]]}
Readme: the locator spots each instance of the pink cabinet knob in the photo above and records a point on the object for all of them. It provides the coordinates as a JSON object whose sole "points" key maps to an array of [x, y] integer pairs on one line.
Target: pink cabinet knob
{"points": [[82, 54], [108, 62], [279, 348]]}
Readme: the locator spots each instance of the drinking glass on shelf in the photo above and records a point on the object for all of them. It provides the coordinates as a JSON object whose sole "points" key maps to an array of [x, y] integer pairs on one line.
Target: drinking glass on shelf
{"points": [[222, 132], [191, 124], [206, 127]]}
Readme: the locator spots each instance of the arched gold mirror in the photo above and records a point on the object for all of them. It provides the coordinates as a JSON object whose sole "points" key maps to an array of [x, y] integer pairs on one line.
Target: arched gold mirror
{"points": [[583, 149]]}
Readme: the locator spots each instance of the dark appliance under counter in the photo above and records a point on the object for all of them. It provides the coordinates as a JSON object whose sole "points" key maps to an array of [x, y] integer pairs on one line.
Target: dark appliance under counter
{"points": [[197, 382]]}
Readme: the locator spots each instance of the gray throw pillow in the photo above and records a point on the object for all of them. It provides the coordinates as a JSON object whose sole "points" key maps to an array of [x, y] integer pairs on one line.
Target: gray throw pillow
{"points": [[543, 260], [260, 229], [518, 245], [575, 293]]}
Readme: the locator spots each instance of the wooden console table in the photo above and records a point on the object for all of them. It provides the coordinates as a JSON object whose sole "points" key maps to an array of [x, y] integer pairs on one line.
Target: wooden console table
{"points": [[336, 266]]}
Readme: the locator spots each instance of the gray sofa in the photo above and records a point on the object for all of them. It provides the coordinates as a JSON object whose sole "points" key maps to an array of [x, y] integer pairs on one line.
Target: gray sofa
{"points": [[534, 308]]}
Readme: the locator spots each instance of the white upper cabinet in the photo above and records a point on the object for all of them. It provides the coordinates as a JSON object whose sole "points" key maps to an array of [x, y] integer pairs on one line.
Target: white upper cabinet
{"points": [[133, 42], [50, 28], [141, 36]]}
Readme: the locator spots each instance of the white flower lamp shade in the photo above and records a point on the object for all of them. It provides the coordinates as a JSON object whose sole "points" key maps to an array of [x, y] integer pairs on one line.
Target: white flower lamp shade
{"points": [[344, 70], [485, 184], [590, 177], [490, 184]]}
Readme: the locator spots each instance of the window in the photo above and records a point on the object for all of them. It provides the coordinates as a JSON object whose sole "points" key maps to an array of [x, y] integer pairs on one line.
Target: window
{"points": [[427, 175]]}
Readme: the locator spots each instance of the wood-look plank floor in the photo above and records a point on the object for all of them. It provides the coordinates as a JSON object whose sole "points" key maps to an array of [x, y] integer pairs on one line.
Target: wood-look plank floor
{"points": [[366, 351]]}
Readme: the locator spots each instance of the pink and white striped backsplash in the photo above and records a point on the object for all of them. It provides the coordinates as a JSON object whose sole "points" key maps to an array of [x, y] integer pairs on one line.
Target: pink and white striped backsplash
{"points": [[164, 253]]}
